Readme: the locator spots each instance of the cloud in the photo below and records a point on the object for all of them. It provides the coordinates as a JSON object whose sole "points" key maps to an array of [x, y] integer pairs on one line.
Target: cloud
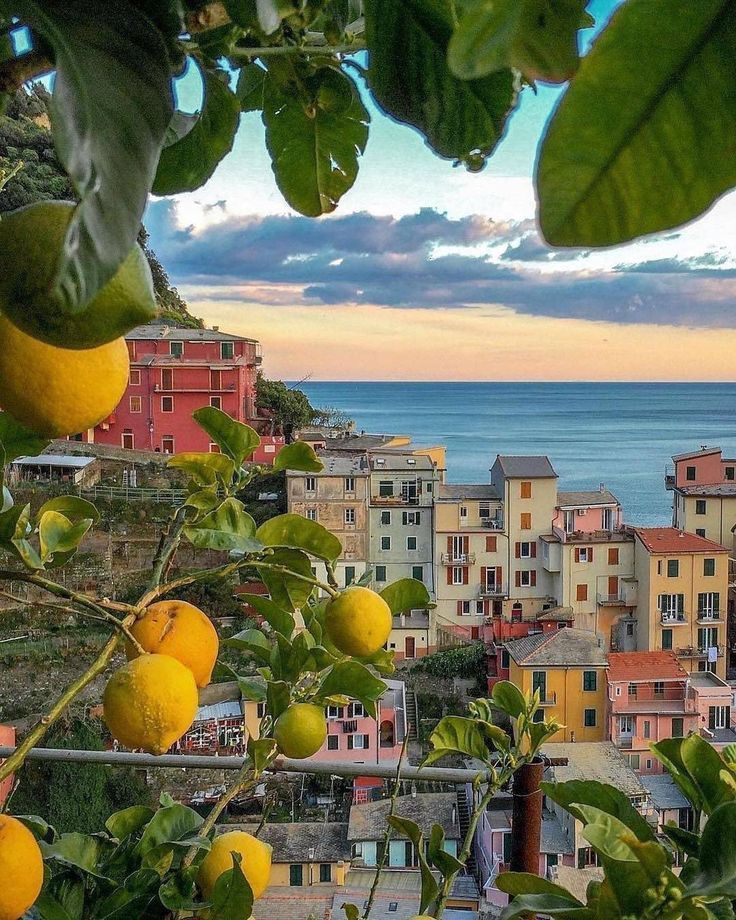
{"points": [[427, 259]]}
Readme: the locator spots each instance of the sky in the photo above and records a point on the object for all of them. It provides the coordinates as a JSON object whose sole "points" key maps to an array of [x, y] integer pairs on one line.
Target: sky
{"points": [[428, 272]]}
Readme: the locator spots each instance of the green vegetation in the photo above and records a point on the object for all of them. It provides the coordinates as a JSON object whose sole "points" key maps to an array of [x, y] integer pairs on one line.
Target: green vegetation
{"points": [[290, 408], [466, 661]]}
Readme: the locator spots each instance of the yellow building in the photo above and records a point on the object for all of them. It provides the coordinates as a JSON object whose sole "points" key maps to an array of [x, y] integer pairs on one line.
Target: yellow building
{"points": [[568, 667], [307, 853], [682, 596]]}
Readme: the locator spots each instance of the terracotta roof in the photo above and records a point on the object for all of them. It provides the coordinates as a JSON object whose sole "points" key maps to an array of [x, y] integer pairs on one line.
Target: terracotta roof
{"points": [[565, 647], [644, 666], [671, 540]]}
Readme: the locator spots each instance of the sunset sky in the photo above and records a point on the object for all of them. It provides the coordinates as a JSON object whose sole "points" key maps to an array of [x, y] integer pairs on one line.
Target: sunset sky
{"points": [[429, 272]]}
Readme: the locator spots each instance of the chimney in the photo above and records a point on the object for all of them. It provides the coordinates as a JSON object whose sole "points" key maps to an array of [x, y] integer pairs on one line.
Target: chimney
{"points": [[602, 487], [215, 328]]}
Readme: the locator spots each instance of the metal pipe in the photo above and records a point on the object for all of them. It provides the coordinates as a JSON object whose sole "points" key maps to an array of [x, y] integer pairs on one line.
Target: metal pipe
{"points": [[281, 765], [526, 817]]}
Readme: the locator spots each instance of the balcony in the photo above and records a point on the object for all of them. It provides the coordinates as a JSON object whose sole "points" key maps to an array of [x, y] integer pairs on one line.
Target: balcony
{"points": [[549, 699], [707, 615], [625, 742], [492, 523], [669, 476], [672, 619], [611, 600], [389, 500], [492, 591], [458, 559], [693, 651]]}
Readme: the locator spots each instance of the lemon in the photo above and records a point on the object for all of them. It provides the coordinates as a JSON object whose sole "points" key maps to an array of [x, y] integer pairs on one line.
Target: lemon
{"points": [[300, 730], [181, 630], [31, 242], [358, 621], [59, 391], [21, 868], [256, 864], [150, 702]]}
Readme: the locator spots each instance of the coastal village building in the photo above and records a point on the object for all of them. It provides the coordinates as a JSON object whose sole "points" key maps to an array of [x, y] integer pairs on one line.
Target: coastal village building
{"points": [[174, 371], [307, 853], [703, 485]]}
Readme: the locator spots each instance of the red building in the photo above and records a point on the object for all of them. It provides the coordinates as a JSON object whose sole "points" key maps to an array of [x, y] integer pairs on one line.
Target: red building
{"points": [[174, 371]]}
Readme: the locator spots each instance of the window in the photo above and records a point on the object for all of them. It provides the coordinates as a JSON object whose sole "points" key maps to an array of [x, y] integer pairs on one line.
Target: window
{"points": [[334, 712], [214, 448], [667, 640], [730, 473], [380, 573], [349, 575], [167, 379], [690, 473], [678, 725], [295, 870], [227, 350], [310, 484], [709, 566], [167, 444], [135, 404], [634, 761], [673, 568], [325, 872], [491, 544], [167, 403], [458, 575], [349, 515], [311, 514], [385, 543], [356, 711], [526, 521], [613, 556], [584, 554], [127, 440], [358, 742], [719, 717], [393, 907], [176, 349], [633, 690], [525, 490], [260, 710], [135, 378], [607, 519], [539, 682], [464, 608], [411, 518], [581, 593], [215, 380], [569, 521], [463, 511], [385, 518], [647, 730], [700, 506], [333, 742], [590, 718], [590, 680], [629, 629], [525, 550], [505, 659], [385, 488], [707, 637], [350, 484], [216, 402], [709, 604], [700, 531], [527, 579], [417, 572], [411, 543]]}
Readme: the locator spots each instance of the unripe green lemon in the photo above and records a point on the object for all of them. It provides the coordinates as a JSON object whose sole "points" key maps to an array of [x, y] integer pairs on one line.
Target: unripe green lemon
{"points": [[300, 730], [358, 621]]}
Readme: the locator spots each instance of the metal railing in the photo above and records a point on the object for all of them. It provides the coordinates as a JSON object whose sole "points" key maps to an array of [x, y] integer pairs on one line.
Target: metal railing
{"points": [[694, 651], [492, 590], [130, 493], [458, 558], [709, 614], [549, 699], [617, 598], [492, 523], [673, 619], [395, 499]]}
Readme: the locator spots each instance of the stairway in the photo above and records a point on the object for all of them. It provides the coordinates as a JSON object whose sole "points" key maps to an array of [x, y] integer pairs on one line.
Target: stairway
{"points": [[412, 715], [463, 813]]}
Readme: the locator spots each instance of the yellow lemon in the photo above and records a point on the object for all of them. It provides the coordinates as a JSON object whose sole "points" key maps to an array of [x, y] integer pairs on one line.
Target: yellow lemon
{"points": [[150, 702], [21, 868], [32, 240], [300, 730], [181, 630], [59, 391], [256, 863], [358, 621]]}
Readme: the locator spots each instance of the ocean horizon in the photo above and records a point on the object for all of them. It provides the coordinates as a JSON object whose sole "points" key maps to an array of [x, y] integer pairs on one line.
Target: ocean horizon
{"points": [[620, 434]]}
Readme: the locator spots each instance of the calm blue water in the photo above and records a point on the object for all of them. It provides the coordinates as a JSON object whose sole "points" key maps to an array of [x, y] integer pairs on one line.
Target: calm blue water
{"points": [[621, 434]]}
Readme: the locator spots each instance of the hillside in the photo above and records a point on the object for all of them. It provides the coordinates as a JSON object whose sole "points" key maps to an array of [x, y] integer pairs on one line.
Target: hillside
{"points": [[25, 137]]}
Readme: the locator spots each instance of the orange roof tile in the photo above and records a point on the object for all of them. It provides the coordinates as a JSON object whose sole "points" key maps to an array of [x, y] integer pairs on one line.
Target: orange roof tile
{"points": [[644, 666], [672, 540]]}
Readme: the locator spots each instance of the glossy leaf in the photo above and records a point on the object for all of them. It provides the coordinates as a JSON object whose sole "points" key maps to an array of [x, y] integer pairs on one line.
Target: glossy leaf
{"points": [[249, 90], [278, 696], [15, 528], [315, 139], [515, 883], [602, 796], [633, 150], [297, 532], [438, 856], [62, 898], [508, 698], [110, 110], [58, 536], [412, 82], [298, 456], [718, 854], [71, 506], [18, 441], [277, 618], [191, 161], [232, 897], [286, 590], [252, 641], [39, 827], [684, 840], [179, 892], [548, 905], [234, 438], [669, 752], [205, 469], [169, 824], [252, 688], [82, 851], [704, 765], [406, 594], [128, 820], [457, 735], [430, 888], [261, 752], [353, 679], [229, 528]]}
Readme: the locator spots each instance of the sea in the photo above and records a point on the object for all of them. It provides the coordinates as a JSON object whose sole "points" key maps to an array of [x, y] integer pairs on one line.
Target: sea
{"points": [[619, 434]]}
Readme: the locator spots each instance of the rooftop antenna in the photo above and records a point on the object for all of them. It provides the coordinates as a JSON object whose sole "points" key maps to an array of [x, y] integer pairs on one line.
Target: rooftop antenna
{"points": [[300, 382]]}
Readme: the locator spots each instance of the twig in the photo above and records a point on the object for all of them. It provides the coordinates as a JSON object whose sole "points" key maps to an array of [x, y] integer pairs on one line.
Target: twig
{"points": [[58, 590], [167, 546], [199, 575], [247, 54], [287, 571], [387, 836]]}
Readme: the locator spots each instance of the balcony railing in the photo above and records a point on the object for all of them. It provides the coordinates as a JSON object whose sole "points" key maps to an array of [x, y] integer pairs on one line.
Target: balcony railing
{"points": [[458, 558], [709, 615], [616, 600], [395, 499], [492, 591], [492, 523], [626, 742], [673, 619], [548, 699], [693, 651]]}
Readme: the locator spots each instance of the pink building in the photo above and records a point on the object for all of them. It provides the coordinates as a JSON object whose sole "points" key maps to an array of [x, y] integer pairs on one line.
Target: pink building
{"points": [[704, 467], [174, 371], [651, 697], [588, 512]]}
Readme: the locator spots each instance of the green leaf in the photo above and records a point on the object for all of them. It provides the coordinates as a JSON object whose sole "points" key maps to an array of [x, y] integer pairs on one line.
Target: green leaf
{"points": [[128, 820], [178, 890], [295, 531], [406, 594], [251, 81], [601, 795], [669, 752], [170, 824], [457, 735], [717, 854], [261, 752], [430, 888], [704, 765], [508, 698], [15, 528], [686, 841], [412, 82], [229, 528], [548, 905], [298, 456], [252, 641], [109, 112], [353, 679], [315, 139], [191, 161], [130, 901], [235, 439], [18, 441], [205, 469], [637, 149], [72, 507], [438, 856], [232, 897], [278, 695], [252, 689], [536, 37], [39, 827], [278, 619], [62, 898], [59, 537], [83, 851], [515, 883], [203, 499], [351, 912]]}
